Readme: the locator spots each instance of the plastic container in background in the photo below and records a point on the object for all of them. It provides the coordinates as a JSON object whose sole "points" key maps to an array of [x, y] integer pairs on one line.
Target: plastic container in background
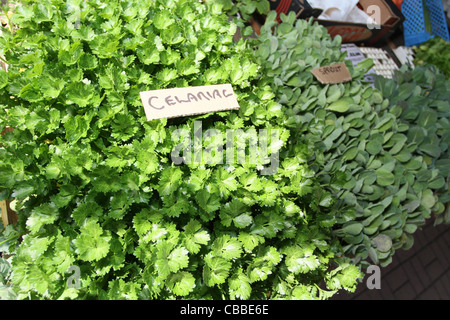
{"points": [[423, 22]]}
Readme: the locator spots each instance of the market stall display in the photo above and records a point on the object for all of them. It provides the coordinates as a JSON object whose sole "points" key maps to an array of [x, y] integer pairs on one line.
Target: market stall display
{"points": [[292, 194]]}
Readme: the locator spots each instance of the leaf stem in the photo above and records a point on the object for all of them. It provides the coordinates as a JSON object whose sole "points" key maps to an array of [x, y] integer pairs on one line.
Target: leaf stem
{"points": [[9, 239]]}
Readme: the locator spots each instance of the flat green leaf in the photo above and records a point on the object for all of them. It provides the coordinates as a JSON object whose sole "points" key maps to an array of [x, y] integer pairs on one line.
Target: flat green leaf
{"points": [[374, 146], [350, 154], [416, 135], [92, 243], [431, 149], [342, 105], [428, 199], [227, 247], [170, 180], [427, 118], [215, 270], [42, 215], [3, 78], [250, 241], [163, 19], [178, 259], [80, 93], [437, 183], [195, 237], [300, 260], [384, 177], [207, 201], [239, 285], [181, 283], [243, 220], [352, 228], [383, 242]]}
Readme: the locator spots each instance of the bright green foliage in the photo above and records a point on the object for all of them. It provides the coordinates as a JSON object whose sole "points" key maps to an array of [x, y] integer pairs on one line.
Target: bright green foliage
{"points": [[91, 244], [380, 160], [94, 180]]}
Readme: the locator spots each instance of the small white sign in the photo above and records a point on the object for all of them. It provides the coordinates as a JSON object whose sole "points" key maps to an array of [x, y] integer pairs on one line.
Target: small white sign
{"points": [[179, 102]]}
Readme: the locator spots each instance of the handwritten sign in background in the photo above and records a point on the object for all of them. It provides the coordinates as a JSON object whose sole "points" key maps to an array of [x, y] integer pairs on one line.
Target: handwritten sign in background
{"points": [[335, 73]]}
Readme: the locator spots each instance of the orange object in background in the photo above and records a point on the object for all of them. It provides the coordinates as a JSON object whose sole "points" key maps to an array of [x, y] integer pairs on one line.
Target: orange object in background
{"points": [[398, 3]]}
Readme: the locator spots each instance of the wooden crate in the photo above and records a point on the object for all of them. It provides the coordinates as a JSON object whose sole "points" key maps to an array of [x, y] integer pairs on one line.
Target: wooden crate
{"points": [[9, 216]]}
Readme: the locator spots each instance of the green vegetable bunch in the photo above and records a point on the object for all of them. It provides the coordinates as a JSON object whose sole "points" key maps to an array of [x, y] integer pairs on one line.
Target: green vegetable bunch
{"points": [[94, 184], [368, 158], [419, 97], [244, 8], [435, 51]]}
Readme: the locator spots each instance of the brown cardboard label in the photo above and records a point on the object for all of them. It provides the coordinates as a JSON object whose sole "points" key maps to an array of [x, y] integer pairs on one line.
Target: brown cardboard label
{"points": [[179, 102], [335, 73]]}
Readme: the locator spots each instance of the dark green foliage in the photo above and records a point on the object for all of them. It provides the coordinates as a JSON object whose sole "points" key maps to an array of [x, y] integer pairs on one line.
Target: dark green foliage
{"points": [[372, 148]]}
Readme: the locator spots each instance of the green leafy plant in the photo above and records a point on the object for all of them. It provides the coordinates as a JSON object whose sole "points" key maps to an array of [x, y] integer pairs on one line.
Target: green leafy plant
{"points": [[245, 8], [380, 189], [435, 51], [420, 97], [94, 183]]}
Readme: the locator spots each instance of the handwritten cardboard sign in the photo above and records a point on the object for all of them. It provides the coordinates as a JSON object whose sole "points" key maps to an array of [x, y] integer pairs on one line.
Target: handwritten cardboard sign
{"points": [[179, 102], [335, 73]]}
